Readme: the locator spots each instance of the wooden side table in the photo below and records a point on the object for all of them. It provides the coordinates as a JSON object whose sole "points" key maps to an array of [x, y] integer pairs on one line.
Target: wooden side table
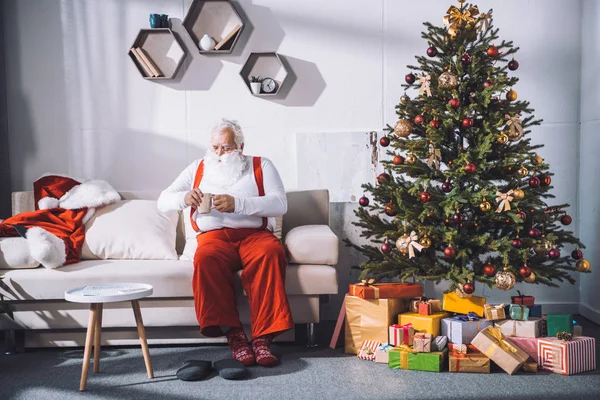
{"points": [[96, 296]]}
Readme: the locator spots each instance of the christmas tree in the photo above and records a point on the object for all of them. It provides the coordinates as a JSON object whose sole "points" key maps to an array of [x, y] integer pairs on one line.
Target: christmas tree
{"points": [[463, 197]]}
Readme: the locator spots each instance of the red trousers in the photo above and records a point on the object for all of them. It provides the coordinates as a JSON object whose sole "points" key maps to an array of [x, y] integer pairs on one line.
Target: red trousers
{"points": [[261, 257]]}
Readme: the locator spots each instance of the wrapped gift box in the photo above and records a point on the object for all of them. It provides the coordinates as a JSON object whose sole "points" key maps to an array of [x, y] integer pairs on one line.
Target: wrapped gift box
{"points": [[519, 312], [530, 366], [425, 306], [567, 357], [531, 328], [422, 342], [473, 361], [494, 312], [367, 290], [405, 358], [369, 320], [495, 346], [458, 348], [558, 323], [451, 302], [528, 344], [382, 353], [423, 323], [367, 350], [463, 332], [401, 334], [534, 311], [439, 343], [523, 300]]}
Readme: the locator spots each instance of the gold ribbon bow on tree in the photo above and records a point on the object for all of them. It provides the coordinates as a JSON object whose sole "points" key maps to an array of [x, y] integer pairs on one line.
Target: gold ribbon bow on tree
{"points": [[456, 19], [484, 19], [514, 123], [434, 157], [425, 81], [504, 200], [411, 243]]}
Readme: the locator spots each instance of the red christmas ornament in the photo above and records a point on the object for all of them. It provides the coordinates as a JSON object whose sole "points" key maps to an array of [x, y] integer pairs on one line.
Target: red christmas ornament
{"points": [[522, 214], [545, 180], [425, 196], [535, 233], [554, 254], [489, 270], [419, 119], [468, 288], [513, 65], [435, 123], [487, 84], [447, 187], [458, 218], [384, 141], [410, 79], [454, 103], [467, 122], [390, 209], [525, 271], [517, 243], [432, 51], [398, 160], [383, 178], [363, 201], [449, 252], [470, 168], [492, 51], [466, 59], [566, 219], [386, 247], [577, 254], [534, 182]]}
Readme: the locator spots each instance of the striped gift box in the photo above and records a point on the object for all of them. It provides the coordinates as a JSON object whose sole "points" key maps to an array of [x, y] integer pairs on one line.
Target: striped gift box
{"points": [[567, 357], [367, 350]]}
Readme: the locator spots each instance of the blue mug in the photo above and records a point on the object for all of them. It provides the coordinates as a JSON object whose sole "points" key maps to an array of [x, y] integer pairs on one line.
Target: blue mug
{"points": [[155, 21], [164, 21]]}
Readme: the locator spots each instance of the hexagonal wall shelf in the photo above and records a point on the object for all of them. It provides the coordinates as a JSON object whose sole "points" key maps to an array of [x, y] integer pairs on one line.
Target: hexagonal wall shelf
{"points": [[264, 65], [157, 53], [216, 18]]}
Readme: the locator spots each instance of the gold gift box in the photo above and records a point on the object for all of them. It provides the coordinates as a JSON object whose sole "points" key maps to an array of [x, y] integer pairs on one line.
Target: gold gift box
{"points": [[423, 323], [451, 302]]}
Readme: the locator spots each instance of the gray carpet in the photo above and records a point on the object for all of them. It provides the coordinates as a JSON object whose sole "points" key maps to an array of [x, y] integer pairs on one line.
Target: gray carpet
{"points": [[319, 373]]}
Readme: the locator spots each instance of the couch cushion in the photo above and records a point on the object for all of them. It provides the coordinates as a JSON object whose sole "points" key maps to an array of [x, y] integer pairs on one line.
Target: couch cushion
{"points": [[168, 277], [14, 253], [131, 229], [312, 244]]}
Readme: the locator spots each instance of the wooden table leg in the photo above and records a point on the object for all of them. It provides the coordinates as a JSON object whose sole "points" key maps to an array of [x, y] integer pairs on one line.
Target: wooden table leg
{"points": [[89, 337], [97, 336], [142, 333]]}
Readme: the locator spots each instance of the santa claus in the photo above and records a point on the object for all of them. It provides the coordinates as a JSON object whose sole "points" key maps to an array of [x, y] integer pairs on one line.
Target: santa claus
{"points": [[235, 232], [53, 234]]}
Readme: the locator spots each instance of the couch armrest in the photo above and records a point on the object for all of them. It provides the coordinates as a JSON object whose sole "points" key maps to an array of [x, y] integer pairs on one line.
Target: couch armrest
{"points": [[312, 244]]}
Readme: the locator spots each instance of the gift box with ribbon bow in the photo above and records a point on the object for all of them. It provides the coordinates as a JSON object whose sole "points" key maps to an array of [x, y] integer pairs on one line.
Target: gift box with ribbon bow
{"points": [[368, 289], [367, 350], [567, 357], [451, 302], [519, 312], [404, 357], [499, 349], [531, 328], [423, 323], [534, 311], [425, 306], [558, 323], [522, 299], [401, 334], [462, 329], [439, 343], [422, 343], [381, 354], [494, 312], [472, 361], [528, 344]]}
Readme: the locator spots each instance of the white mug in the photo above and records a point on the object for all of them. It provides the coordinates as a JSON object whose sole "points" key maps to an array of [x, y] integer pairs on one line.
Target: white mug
{"points": [[206, 204]]}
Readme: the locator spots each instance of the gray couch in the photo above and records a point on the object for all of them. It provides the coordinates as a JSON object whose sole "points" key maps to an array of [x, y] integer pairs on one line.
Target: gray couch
{"points": [[37, 295]]}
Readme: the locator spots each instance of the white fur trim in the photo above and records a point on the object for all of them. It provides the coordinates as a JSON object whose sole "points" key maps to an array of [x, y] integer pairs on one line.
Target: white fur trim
{"points": [[46, 248], [89, 194], [88, 215], [47, 202]]}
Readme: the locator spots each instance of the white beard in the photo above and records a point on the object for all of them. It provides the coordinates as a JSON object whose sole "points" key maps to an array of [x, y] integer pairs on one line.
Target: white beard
{"points": [[222, 172]]}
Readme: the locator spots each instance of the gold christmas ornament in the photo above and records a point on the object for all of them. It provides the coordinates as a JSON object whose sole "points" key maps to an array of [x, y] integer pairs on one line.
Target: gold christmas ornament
{"points": [[403, 128], [425, 242], [459, 292], [583, 265], [530, 278], [522, 172], [404, 99], [505, 280], [502, 138], [537, 159], [411, 158], [511, 95], [485, 206], [447, 80], [518, 194], [542, 248]]}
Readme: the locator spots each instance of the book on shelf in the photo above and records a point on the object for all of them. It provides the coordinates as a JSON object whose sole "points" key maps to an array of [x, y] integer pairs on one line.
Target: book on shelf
{"points": [[141, 62], [150, 62], [228, 38]]}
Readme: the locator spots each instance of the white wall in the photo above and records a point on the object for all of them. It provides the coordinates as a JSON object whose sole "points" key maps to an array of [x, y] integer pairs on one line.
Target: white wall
{"points": [[590, 163], [78, 105]]}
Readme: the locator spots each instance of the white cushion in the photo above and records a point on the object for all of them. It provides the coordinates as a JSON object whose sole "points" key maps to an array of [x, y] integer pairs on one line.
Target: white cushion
{"points": [[15, 254], [312, 244], [131, 229]]}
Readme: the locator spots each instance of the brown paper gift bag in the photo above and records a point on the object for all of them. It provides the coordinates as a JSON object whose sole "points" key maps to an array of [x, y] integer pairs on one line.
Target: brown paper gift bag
{"points": [[369, 320]]}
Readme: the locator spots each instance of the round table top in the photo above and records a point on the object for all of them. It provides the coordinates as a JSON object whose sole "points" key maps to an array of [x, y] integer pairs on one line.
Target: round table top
{"points": [[108, 293]]}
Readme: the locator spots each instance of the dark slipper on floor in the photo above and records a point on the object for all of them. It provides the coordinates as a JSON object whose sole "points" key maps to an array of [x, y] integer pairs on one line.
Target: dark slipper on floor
{"points": [[231, 369], [194, 370]]}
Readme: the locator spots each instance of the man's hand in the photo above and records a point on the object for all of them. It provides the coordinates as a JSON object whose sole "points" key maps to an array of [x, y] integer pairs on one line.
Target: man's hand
{"points": [[224, 203], [193, 198]]}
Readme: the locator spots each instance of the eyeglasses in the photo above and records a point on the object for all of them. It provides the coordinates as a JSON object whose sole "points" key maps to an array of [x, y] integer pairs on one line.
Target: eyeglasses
{"points": [[225, 148]]}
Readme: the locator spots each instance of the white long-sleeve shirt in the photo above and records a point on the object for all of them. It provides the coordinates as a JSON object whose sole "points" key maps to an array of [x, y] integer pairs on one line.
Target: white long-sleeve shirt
{"points": [[249, 206]]}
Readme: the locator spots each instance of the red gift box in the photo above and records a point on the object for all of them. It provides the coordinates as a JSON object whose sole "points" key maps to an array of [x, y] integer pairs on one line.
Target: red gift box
{"points": [[370, 290], [522, 299]]}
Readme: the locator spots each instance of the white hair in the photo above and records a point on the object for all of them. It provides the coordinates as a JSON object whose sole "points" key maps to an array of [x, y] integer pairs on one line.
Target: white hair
{"points": [[224, 124]]}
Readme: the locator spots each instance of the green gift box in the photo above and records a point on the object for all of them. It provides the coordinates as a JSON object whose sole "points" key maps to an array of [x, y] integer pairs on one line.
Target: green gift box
{"points": [[559, 323], [404, 358]]}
